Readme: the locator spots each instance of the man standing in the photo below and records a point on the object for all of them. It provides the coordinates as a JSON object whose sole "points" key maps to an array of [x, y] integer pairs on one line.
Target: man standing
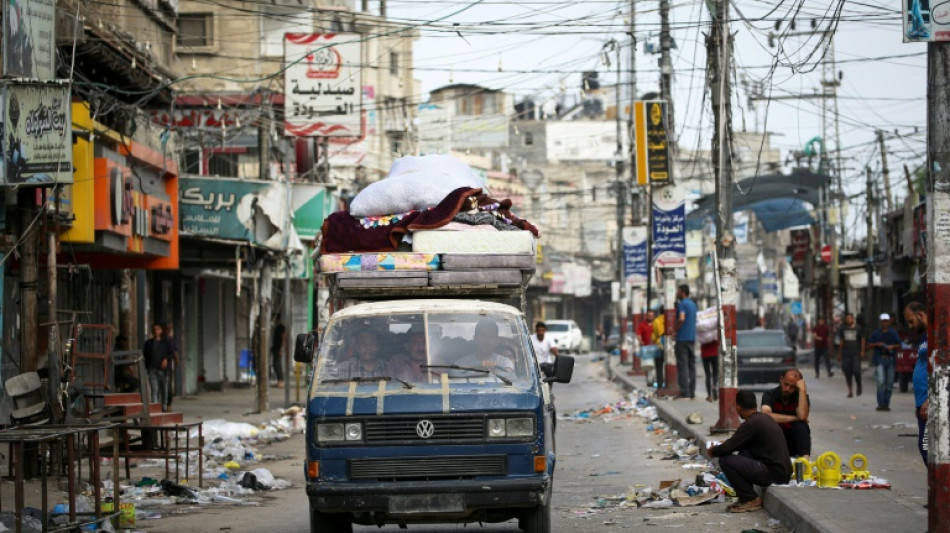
{"points": [[659, 332], [158, 354], [791, 329], [544, 348], [916, 316], [885, 342], [850, 348], [788, 404], [645, 330], [685, 343], [820, 342], [278, 336], [762, 459]]}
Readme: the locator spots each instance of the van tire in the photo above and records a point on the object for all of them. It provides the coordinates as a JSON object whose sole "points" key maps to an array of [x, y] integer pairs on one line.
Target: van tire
{"points": [[329, 523], [538, 519]]}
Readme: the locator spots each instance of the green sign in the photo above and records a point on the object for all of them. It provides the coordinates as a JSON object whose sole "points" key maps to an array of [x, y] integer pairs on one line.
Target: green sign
{"points": [[312, 204]]}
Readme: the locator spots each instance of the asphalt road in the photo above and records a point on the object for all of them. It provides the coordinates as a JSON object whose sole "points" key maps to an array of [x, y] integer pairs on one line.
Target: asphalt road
{"points": [[599, 458]]}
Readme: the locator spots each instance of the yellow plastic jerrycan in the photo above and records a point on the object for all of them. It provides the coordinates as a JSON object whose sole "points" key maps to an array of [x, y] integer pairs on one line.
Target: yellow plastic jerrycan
{"points": [[859, 467], [829, 469], [807, 469]]}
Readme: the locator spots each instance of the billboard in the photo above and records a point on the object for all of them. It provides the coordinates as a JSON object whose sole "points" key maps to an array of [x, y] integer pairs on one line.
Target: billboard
{"points": [[29, 34], [651, 124], [926, 20], [669, 227], [36, 134], [635, 256], [322, 85], [234, 209]]}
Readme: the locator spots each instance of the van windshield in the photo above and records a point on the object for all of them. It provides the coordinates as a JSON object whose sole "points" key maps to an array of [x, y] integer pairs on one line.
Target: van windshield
{"points": [[416, 349]]}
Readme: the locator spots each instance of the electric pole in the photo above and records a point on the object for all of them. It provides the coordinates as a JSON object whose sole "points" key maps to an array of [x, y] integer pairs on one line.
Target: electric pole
{"points": [[885, 171], [870, 306], [621, 211], [636, 206], [938, 284], [719, 54]]}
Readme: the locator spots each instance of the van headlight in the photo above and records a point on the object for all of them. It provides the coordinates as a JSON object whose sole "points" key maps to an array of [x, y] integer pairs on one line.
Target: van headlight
{"points": [[330, 433], [510, 427], [520, 427], [339, 432]]}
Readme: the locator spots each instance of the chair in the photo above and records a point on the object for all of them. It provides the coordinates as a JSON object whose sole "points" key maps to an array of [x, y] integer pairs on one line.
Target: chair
{"points": [[29, 407]]}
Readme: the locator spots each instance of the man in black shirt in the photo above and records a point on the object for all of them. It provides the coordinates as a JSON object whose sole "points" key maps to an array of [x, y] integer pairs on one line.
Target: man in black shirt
{"points": [[788, 404], [278, 336], [763, 455], [158, 353]]}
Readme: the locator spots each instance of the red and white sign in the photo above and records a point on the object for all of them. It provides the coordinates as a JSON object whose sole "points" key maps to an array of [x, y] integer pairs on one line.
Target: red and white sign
{"points": [[826, 253], [322, 85], [801, 240]]}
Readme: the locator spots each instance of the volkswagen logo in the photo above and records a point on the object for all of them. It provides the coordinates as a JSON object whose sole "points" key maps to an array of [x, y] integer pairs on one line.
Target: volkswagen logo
{"points": [[425, 429]]}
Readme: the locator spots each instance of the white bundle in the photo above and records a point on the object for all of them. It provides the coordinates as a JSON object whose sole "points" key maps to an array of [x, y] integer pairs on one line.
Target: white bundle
{"points": [[414, 183]]}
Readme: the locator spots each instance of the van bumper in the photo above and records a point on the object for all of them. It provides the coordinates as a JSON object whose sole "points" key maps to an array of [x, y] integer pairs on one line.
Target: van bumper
{"points": [[458, 498]]}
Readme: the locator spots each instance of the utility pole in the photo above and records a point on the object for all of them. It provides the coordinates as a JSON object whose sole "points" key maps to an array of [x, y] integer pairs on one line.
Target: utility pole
{"points": [[938, 284], [671, 385], [621, 210], [636, 206], [719, 53], [884, 169], [869, 310]]}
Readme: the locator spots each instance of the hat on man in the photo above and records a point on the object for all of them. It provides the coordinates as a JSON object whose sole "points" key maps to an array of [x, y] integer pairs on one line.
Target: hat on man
{"points": [[885, 316]]}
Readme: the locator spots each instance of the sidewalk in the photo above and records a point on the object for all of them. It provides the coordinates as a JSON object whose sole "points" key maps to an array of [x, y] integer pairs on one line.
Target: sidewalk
{"points": [[891, 455]]}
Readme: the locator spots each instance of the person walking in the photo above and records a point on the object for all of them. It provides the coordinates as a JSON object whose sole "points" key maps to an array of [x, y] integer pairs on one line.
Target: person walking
{"points": [[158, 354], [885, 341], [171, 373], [762, 457], [820, 343], [544, 348], [851, 344], [916, 316], [791, 329], [685, 349], [277, 343], [709, 353]]}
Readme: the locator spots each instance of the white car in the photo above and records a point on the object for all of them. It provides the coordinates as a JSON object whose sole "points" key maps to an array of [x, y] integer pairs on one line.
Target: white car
{"points": [[566, 335]]}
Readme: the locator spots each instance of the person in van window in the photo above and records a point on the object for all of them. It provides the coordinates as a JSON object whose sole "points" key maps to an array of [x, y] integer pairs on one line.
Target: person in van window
{"points": [[367, 363], [485, 355], [409, 365]]}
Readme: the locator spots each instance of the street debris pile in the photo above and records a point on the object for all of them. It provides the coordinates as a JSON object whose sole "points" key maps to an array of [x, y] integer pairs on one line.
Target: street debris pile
{"points": [[233, 475]]}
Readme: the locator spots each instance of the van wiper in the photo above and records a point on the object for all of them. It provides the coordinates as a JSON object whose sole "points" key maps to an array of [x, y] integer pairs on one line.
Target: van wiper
{"points": [[456, 367], [501, 378], [364, 379]]}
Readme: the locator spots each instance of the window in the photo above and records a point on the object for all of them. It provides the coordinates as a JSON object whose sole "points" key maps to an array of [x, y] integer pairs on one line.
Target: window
{"points": [[191, 163], [195, 29], [394, 63], [223, 164], [528, 138]]}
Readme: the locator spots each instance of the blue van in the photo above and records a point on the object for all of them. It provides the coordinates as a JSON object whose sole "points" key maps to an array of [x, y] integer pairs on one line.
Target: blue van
{"points": [[428, 411]]}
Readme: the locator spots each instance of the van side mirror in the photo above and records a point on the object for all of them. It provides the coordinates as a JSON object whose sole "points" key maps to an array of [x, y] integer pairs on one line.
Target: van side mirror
{"points": [[563, 369], [303, 348]]}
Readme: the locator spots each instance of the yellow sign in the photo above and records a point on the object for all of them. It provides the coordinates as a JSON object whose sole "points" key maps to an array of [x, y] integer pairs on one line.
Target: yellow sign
{"points": [[652, 141]]}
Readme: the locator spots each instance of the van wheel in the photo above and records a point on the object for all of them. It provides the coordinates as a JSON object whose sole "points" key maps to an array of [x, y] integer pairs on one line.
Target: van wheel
{"points": [[329, 523], [538, 519]]}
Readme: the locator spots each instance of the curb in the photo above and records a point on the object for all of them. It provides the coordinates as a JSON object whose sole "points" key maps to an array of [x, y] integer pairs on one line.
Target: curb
{"points": [[796, 519]]}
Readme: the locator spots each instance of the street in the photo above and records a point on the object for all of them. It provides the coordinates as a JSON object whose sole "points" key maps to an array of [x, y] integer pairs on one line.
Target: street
{"points": [[597, 459]]}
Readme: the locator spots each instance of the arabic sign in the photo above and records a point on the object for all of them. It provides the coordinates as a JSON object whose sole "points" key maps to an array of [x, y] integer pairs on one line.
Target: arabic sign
{"points": [[235, 209], [322, 89], [923, 23], [36, 135], [769, 288], [635, 256], [205, 117], [652, 132], [669, 227], [29, 49]]}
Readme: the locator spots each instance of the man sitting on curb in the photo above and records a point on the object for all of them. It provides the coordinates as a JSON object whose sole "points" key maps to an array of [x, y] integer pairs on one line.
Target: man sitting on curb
{"points": [[762, 457], [788, 404]]}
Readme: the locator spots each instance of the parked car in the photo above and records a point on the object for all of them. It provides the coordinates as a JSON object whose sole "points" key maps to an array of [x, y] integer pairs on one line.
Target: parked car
{"points": [[763, 355], [566, 335]]}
